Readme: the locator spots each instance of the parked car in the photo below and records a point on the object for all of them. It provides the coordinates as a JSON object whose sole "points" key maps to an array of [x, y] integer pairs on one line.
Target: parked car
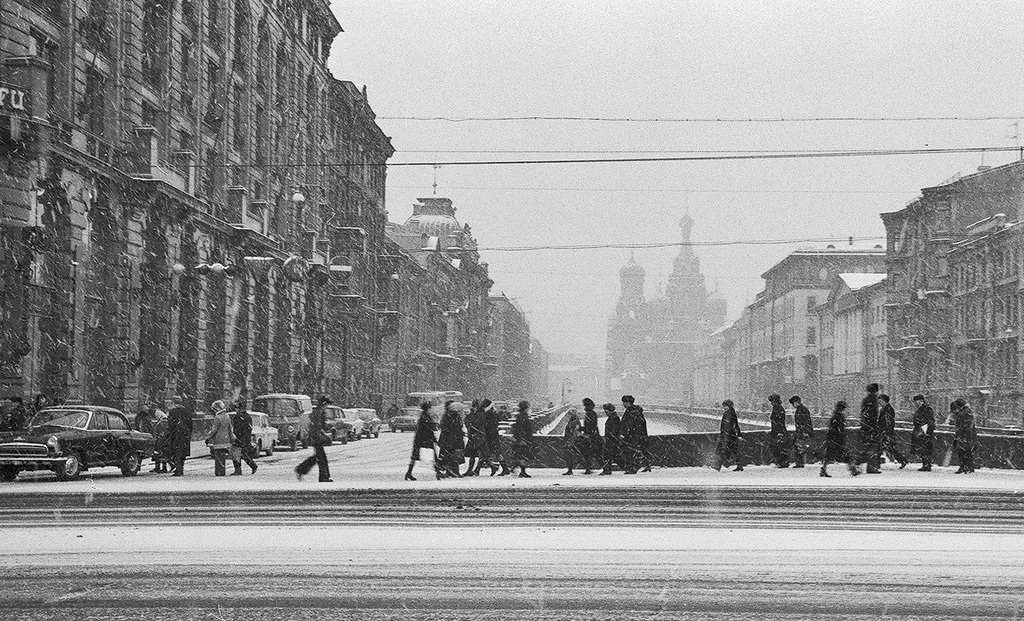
{"points": [[72, 439], [343, 423], [406, 421], [371, 422], [289, 414], [264, 435]]}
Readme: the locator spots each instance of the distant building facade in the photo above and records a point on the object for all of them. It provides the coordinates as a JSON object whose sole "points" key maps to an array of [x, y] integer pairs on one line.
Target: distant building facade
{"points": [[652, 344], [954, 263]]}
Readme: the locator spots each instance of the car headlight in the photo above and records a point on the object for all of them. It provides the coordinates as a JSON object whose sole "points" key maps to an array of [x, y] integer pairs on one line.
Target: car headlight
{"points": [[53, 444], [291, 429]]}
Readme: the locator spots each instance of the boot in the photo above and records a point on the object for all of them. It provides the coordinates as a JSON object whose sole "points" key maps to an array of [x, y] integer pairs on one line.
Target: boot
{"points": [[567, 472], [825, 474], [522, 473], [647, 469], [605, 472], [254, 468], [238, 469], [588, 471], [469, 467], [494, 470], [504, 471], [408, 473], [738, 468]]}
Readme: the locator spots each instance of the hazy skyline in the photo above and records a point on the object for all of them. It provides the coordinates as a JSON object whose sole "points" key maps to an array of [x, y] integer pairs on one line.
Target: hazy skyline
{"points": [[672, 59]]}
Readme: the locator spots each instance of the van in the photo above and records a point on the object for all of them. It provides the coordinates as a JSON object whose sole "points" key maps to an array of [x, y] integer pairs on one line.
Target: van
{"points": [[289, 414]]}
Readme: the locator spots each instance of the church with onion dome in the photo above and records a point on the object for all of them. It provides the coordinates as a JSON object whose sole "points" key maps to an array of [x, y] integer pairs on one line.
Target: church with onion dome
{"points": [[653, 343]]}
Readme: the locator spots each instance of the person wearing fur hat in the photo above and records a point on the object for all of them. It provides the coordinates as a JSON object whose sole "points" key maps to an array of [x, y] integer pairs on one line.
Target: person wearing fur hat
{"points": [[592, 446], [964, 435], [729, 437], [779, 435], [634, 437], [870, 431], [887, 432], [612, 439], [804, 435], [922, 438], [835, 442]]}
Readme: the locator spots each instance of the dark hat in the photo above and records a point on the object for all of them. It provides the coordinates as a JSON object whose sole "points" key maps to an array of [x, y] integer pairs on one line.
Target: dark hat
{"points": [[884, 396], [872, 387], [840, 405], [324, 400], [486, 403], [608, 407], [628, 399], [588, 402], [794, 399], [727, 403], [524, 405], [960, 402], [918, 397], [774, 397]]}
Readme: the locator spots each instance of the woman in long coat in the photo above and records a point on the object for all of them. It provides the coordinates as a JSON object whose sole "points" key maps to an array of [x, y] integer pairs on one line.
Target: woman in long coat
{"points": [[612, 439], [452, 440], [476, 442], [729, 437], [572, 438], [835, 442], [964, 435], [220, 437], [522, 440], [425, 439], [591, 443]]}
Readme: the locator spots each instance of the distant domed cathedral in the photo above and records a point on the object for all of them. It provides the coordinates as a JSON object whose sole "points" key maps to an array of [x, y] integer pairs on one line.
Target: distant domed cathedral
{"points": [[652, 344]]}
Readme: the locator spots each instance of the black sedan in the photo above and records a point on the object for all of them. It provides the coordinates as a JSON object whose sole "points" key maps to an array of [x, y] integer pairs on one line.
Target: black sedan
{"points": [[71, 439]]}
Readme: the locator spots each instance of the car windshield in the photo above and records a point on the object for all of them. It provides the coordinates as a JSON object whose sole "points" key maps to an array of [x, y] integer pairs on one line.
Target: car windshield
{"points": [[71, 419]]}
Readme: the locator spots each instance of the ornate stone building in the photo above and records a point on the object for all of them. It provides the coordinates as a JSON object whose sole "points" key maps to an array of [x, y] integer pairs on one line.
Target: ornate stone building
{"points": [[652, 344], [168, 223], [954, 260]]}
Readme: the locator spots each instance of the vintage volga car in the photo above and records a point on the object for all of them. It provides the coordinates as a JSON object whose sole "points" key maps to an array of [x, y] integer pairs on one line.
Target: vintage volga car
{"points": [[71, 439]]}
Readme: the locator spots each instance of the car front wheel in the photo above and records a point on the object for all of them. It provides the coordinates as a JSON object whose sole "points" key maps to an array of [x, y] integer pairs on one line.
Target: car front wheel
{"points": [[70, 470], [130, 464], [8, 473]]}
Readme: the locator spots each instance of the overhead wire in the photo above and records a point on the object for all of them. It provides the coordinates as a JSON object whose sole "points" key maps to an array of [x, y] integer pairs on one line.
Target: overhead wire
{"points": [[778, 119]]}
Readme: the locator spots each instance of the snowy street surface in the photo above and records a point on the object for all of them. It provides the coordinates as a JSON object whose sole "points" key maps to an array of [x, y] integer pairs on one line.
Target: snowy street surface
{"points": [[684, 543]]}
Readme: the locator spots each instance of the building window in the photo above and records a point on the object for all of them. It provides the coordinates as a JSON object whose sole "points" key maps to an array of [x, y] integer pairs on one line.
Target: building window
{"points": [[216, 37], [812, 301], [94, 26], [210, 173], [241, 55], [812, 336], [262, 54], [153, 35], [238, 119], [92, 110]]}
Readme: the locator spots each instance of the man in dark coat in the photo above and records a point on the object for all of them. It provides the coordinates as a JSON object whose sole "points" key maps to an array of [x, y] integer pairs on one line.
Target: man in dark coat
{"points": [[779, 435], [870, 431], [179, 435], [592, 445], [317, 437], [425, 439], [634, 436], [729, 437], [887, 431], [241, 423], [835, 442], [923, 436], [964, 435], [452, 439], [492, 442], [522, 440], [804, 435], [612, 439], [152, 421]]}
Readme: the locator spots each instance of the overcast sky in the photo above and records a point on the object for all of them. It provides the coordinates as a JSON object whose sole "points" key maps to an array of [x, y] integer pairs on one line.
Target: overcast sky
{"points": [[674, 59]]}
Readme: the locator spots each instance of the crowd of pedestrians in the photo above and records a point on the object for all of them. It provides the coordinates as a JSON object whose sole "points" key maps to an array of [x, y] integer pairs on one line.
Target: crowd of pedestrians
{"points": [[473, 437], [877, 436]]}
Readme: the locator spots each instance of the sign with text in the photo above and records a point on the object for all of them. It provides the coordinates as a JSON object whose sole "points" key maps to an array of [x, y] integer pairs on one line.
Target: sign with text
{"points": [[13, 98]]}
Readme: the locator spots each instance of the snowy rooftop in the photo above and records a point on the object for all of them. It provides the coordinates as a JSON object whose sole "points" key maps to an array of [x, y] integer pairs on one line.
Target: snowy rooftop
{"points": [[859, 281]]}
